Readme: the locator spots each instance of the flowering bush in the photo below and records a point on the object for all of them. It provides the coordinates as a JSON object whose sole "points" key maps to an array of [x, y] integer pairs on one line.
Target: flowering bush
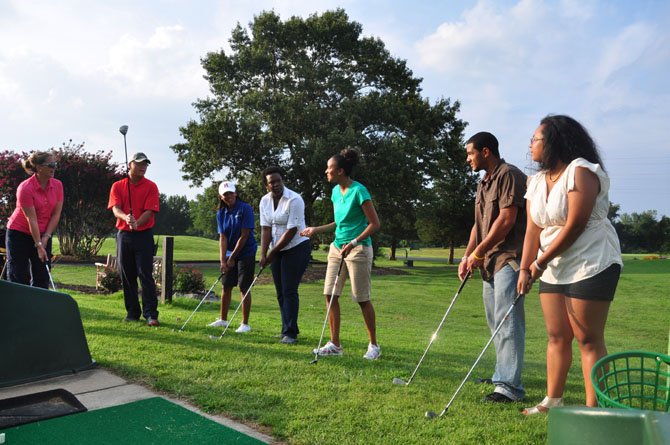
{"points": [[188, 281], [110, 280]]}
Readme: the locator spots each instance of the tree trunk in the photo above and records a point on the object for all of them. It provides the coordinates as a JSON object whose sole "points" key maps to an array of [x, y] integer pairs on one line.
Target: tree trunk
{"points": [[451, 251], [394, 246]]}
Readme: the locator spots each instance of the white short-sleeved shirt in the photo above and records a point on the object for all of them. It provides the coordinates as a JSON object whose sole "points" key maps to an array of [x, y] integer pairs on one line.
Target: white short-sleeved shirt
{"points": [[597, 247], [290, 213]]}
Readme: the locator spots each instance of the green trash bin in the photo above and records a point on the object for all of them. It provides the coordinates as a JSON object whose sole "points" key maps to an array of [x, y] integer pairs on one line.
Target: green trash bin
{"points": [[633, 380]]}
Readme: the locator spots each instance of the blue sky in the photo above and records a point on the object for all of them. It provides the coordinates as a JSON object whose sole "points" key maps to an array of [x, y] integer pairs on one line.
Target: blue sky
{"points": [[78, 69]]}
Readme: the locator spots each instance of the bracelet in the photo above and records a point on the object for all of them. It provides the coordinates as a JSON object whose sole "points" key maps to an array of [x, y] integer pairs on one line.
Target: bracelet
{"points": [[48, 235], [523, 268], [537, 266], [476, 257], [354, 242]]}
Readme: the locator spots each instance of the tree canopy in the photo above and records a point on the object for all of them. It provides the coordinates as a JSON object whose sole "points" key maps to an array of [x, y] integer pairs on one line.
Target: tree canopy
{"points": [[293, 93]]}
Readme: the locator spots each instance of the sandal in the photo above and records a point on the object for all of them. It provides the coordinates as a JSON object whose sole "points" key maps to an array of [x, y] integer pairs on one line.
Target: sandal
{"points": [[544, 406]]}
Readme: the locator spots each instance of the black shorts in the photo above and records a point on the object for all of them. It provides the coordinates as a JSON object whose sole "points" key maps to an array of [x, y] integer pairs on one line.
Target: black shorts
{"points": [[242, 275], [600, 287]]}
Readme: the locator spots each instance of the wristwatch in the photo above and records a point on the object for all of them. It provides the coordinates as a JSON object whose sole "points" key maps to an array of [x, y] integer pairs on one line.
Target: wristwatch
{"points": [[38, 244]]}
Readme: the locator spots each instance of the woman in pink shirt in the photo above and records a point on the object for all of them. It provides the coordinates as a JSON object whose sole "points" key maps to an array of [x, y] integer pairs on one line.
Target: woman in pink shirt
{"points": [[39, 201]]}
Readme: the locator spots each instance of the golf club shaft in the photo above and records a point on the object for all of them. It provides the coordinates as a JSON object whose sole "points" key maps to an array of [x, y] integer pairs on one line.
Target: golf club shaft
{"points": [[201, 301], [50, 278], [509, 311], [434, 336], [130, 200], [244, 297], [330, 303]]}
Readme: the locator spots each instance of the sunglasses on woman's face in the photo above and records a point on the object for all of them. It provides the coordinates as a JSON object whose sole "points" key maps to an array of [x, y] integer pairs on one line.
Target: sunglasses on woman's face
{"points": [[51, 164]]}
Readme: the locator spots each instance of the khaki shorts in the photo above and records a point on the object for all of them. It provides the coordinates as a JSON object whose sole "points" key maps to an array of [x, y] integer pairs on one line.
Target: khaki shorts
{"points": [[357, 265]]}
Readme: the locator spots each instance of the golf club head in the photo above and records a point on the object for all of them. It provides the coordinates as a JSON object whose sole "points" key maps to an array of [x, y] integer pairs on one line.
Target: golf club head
{"points": [[213, 337], [123, 129], [399, 381], [430, 414], [314, 362]]}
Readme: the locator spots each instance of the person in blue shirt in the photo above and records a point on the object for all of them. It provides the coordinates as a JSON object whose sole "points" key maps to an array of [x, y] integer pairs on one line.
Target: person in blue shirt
{"points": [[237, 251]]}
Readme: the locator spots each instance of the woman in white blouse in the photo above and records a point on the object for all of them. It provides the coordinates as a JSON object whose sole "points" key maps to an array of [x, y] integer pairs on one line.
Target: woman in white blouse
{"points": [[282, 213], [572, 248]]}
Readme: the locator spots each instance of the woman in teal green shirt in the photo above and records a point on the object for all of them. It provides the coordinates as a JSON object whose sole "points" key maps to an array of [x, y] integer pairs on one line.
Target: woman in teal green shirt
{"points": [[355, 220]]}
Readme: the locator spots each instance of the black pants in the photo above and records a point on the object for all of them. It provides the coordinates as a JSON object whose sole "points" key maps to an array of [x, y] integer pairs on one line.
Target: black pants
{"points": [[288, 267], [135, 256], [23, 263]]}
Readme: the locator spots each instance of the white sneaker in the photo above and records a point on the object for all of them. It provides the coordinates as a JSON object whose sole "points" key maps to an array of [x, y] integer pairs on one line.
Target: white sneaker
{"points": [[328, 349], [243, 328], [219, 323], [374, 352]]}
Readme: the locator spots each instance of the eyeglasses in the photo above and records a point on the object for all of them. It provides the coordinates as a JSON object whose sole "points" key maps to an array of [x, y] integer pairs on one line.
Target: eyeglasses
{"points": [[51, 164], [533, 139]]}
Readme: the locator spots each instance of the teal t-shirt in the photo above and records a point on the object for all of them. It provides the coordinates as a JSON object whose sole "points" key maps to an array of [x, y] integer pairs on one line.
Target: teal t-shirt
{"points": [[350, 220]]}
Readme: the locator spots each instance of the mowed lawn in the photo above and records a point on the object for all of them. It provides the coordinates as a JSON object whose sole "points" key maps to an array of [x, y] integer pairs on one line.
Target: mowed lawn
{"points": [[254, 379]]}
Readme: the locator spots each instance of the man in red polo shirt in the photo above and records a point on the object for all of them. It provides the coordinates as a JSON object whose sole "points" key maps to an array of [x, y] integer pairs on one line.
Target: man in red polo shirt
{"points": [[135, 239]]}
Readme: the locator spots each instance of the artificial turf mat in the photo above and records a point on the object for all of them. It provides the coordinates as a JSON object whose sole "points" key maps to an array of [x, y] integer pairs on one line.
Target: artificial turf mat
{"points": [[148, 421]]}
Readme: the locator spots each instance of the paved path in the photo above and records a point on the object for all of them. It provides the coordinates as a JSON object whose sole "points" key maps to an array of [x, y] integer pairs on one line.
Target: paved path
{"points": [[98, 388]]}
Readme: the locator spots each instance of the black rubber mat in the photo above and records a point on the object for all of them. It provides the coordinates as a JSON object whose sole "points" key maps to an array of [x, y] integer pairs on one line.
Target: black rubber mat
{"points": [[38, 406]]}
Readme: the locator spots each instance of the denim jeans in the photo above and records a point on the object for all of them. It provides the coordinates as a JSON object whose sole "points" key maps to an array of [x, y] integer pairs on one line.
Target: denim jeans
{"points": [[135, 255], [499, 295], [288, 267], [23, 263]]}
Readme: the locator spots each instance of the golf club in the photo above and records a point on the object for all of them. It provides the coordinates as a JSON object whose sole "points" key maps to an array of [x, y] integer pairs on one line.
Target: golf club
{"points": [[123, 130], [332, 295], [50, 278], [201, 301], [213, 337], [431, 414], [398, 380]]}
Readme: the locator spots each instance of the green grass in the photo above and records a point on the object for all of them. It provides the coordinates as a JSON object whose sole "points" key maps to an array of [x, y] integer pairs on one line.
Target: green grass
{"points": [[256, 380]]}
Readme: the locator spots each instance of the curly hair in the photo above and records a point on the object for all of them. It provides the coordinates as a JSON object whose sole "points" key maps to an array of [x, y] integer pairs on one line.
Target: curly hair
{"points": [[565, 140], [347, 159]]}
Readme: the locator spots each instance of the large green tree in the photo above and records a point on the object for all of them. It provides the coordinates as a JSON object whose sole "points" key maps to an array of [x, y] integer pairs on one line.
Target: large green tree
{"points": [[293, 93], [174, 217]]}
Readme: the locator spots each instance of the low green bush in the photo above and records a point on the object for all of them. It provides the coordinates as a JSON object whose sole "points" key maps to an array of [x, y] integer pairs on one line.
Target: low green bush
{"points": [[188, 281], [110, 280]]}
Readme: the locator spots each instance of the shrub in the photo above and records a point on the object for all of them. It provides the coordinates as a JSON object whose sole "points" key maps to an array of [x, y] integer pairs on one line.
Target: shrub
{"points": [[110, 280], [188, 281]]}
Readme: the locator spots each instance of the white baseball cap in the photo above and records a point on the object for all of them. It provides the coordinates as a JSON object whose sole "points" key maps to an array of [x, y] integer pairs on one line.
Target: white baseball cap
{"points": [[226, 186]]}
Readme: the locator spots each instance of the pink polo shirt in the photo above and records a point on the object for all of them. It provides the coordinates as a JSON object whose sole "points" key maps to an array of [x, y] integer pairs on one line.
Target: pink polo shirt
{"points": [[31, 194]]}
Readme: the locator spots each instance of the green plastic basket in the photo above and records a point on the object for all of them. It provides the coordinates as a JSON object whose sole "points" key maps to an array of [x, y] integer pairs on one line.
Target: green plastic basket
{"points": [[633, 380]]}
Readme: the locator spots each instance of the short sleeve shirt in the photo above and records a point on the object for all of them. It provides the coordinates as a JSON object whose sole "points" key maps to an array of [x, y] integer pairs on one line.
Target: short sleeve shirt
{"points": [[230, 223], [350, 220], [505, 187], [31, 194], [596, 248], [290, 213], [144, 196]]}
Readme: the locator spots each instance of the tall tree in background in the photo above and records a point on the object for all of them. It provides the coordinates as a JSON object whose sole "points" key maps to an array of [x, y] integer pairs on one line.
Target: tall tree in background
{"points": [[174, 217], [87, 178], [294, 93]]}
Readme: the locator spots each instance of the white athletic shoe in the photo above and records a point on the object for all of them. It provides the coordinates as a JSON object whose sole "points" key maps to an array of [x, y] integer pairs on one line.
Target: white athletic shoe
{"points": [[218, 323], [374, 352], [243, 328], [328, 349]]}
